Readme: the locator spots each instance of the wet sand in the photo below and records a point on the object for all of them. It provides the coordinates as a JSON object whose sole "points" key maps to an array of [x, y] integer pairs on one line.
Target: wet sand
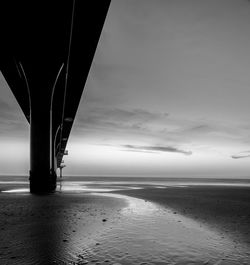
{"points": [[131, 224], [52, 229], [225, 209]]}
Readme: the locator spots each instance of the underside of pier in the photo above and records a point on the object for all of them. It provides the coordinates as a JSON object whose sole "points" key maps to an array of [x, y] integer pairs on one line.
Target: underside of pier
{"points": [[48, 48]]}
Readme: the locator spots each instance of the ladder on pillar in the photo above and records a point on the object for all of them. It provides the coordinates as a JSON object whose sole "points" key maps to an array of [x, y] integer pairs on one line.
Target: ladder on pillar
{"points": [[61, 168]]}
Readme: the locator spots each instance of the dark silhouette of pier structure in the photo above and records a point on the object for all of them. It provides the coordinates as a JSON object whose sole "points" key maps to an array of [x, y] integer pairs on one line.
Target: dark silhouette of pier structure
{"points": [[47, 50]]}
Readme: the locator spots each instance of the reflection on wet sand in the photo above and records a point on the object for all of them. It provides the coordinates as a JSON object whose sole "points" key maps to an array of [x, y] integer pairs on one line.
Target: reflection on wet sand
{"points": [[150, 234], [84, 223], [50, 229]]}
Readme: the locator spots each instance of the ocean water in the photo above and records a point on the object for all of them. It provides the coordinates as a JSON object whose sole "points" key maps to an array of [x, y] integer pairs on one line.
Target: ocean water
{"points": [[139, 232], [107, 184]]}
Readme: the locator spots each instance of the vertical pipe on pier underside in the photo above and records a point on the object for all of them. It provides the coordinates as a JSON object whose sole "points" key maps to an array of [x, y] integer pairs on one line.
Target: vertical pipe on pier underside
{"points": [[42, 178]]}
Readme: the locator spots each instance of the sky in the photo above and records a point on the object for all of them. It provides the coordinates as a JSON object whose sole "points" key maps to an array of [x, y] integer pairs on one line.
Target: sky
{"points": [[167, 95]]}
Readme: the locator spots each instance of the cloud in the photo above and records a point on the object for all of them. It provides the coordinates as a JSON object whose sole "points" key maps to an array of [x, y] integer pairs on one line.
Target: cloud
{"points": [[11, 120], [5, 109], [140, 151], [118, 118], [120, 125], [243, 154], [167, 149], [237, 157], [204, 128]]}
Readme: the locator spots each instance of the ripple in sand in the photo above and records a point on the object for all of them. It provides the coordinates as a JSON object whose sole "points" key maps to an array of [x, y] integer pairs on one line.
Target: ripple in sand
{"points": [[149, 234]]}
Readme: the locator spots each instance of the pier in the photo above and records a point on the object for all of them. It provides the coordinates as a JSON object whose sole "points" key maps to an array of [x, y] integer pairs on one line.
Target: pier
{"points": [[48, 48]]}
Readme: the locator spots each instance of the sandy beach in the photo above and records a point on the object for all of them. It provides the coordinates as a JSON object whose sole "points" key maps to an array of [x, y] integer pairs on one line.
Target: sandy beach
{"points": [[49, 229], [222, 208], [125, 223]]}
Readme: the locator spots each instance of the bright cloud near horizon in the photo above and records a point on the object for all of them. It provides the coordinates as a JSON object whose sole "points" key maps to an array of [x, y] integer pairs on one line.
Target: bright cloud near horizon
{"points": [[167, 95]]}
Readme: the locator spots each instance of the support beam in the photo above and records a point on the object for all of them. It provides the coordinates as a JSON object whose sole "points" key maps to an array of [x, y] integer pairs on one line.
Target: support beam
{"points": [[42, 176]]}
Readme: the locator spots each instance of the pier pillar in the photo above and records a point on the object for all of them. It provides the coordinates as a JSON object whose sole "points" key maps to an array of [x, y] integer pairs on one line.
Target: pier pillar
{"points": [[42, 175]]}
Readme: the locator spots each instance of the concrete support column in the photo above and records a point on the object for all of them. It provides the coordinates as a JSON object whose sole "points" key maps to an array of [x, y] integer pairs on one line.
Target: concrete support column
{"points": [[42, 176]]}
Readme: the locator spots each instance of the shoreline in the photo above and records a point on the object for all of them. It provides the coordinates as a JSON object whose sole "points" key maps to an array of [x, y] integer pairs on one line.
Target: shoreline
{"points": [[84, 227], [223, 209]]}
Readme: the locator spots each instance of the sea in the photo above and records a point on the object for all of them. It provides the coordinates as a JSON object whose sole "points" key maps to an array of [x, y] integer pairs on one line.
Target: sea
{"points": [[20, 183]]}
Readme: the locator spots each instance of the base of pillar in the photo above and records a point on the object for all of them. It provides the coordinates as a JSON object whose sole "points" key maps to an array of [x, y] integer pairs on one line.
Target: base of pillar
{"points": [[42, 182]]}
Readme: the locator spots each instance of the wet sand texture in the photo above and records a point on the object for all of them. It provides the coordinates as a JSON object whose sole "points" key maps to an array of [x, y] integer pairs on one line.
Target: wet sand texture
{"points": [[50, 229], [225, 209], [78, 227]]}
